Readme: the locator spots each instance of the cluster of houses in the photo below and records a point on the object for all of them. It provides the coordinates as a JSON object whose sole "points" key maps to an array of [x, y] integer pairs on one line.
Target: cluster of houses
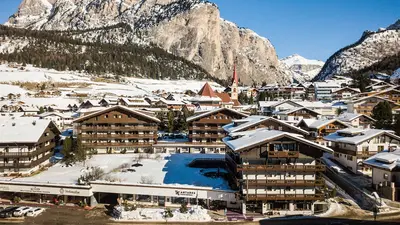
{"points": [[273, 155]]}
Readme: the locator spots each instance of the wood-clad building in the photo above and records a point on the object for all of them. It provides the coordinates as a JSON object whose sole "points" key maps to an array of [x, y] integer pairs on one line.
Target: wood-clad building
{"points": [[206, 128], [276, 170], [26, 144], [117, 129], [257, 122], [321, 128]]}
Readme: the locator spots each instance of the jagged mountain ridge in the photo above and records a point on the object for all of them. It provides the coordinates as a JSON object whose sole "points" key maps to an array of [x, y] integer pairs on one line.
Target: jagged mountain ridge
{"points": [[199, 34], [302, 69], [367, 54]]}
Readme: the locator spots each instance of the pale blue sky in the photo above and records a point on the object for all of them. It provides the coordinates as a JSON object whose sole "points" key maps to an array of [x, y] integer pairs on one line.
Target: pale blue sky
{"points": [[312, 28]]}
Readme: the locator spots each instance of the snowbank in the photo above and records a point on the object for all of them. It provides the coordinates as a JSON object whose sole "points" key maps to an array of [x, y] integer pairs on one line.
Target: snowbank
{"points": [[195, 213]]}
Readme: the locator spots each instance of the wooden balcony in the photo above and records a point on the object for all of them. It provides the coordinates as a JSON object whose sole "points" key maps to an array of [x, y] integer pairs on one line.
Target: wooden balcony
{"points": [[119, 144], [213, 128], [283, 154], [18, 165], [31, 153], [283, 183], [118, 128], [366, 154], [266, 168], [117, 136], [286, 197], [207, 135]]}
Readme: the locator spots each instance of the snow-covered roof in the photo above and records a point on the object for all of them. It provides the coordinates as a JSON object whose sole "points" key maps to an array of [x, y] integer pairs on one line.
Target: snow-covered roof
{"points": [[316, 124], [230, 128], [384, 160], [22, 129], [171, 102], [135, 102], [267, 103], [356, 136], [348, 117], [204, 99], [254, 137], [61, 115], [166, 171], [295, 110], [195, 117], [116, 108], [25, 108], [348, 88]]}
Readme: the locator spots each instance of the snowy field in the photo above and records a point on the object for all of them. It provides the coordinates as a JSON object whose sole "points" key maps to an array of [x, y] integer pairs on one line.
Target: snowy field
{"points": [[164, 170], [195, 214], [132, 86]]}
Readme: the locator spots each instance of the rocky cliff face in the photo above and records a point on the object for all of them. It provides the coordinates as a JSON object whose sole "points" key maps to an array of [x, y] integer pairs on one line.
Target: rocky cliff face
{"points": [[368, 53], [191, 29]]}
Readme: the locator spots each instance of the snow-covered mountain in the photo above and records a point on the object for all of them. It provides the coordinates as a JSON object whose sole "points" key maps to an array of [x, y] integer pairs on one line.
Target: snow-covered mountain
{"points": [[395, 78], [302, 69], [191, 29], [375, 51]]}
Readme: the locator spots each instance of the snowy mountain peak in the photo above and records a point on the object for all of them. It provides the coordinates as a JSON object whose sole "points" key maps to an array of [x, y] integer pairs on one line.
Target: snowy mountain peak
{"points": [[297, 59], [302, 69]]}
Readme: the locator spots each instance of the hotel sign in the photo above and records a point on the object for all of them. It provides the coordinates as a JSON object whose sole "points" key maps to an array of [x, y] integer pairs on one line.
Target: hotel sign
{"points": [[45, 190], [185, 193]]}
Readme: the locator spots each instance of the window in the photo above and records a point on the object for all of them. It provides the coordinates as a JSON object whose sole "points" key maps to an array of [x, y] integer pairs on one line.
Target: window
{"points": [[280, 128], [385, 176], [380, 148], [106, 116]]}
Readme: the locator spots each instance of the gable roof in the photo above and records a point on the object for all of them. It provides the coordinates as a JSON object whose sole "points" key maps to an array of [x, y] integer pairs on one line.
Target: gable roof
{"points": [[384, 160], [137, 112], [135, 101], [195, 117], [206, 90], [348, 117], [360, 135], [348, 88], [23, 129], [230, 128], [316, 124], [224, 97], [297, 109], [258, 136]]}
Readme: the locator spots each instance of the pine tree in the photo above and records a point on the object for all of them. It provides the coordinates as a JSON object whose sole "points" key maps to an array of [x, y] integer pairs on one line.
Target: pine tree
{"points": [[361, 81], [396, 125], [171, 121], [261, 96], [67, 151], [382, 113], [41, 110]]}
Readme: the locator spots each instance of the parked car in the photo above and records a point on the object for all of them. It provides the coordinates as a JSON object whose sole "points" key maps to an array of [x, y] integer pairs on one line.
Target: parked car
{"points": [[21, 211], [8, 212], [34, 212]]}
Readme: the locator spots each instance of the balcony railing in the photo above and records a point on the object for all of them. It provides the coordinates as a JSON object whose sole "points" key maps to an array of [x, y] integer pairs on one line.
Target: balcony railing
{"points": [[263, 168], [119, 144], [119, 128], [206, 128], [31, 153], [25, 165], [277, 197], [283, 154], [295, 183], [207, 136], [118, 136]]}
